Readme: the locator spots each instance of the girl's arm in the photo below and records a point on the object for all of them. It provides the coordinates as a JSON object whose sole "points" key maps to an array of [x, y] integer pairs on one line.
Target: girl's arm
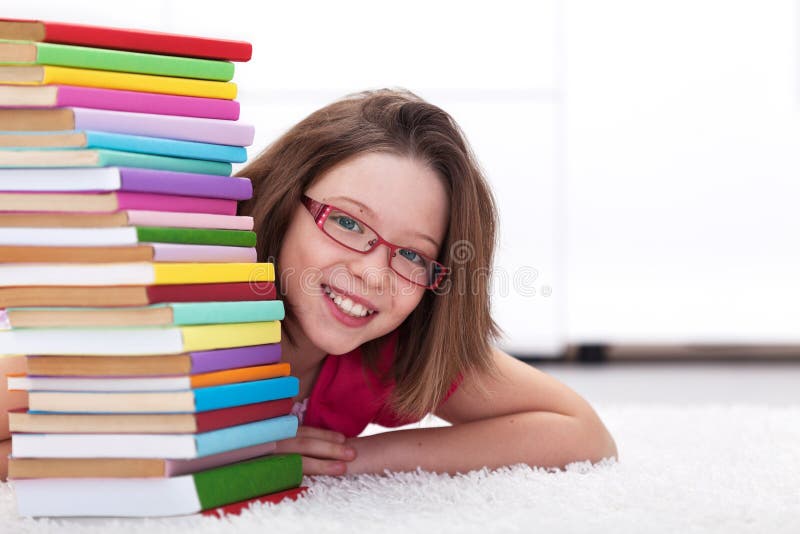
{"points": [[526, 417]]}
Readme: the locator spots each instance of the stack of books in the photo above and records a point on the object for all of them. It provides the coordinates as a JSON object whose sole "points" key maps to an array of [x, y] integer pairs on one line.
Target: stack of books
{"points": [[151, 333]]}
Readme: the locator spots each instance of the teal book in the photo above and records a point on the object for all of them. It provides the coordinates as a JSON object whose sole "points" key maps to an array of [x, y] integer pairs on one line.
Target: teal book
{"points": [[31, 53], [161, 146], [177, 313], [14, 159], [143, 497]]}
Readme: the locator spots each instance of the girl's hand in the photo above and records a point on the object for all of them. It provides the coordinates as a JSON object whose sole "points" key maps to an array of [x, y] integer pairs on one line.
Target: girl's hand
{"points": [[324, 452]]}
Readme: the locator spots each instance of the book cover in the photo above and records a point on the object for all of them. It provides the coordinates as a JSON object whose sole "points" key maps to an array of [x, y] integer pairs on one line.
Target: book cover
{"points": [[125, 39], [137, 340], [155, 252], [178, 313], [49, 96], [134, 295], [99, 157], [181, 495], [37, 53], [159, 146], [146, 83], [222, 132], [125, 179], [163, 364]]}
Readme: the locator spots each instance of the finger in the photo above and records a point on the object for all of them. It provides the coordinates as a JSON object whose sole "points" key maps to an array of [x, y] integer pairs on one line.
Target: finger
{"points": [[320, 433], [317, 448], [315, 466]]}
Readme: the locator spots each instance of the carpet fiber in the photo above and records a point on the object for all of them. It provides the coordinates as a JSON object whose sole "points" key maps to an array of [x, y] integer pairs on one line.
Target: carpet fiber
{"points": [[687, 469]]}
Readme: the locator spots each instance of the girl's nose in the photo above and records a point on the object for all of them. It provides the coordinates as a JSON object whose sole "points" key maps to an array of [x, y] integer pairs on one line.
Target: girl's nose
{"points": [[373, 267]]}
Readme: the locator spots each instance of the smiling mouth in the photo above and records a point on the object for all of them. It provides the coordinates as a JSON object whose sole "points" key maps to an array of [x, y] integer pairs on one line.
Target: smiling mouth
{"points": [[347, 306]]}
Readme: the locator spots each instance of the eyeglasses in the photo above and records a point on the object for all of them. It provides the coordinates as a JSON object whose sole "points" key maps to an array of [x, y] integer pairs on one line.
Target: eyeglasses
{"points": [[352, 233]]}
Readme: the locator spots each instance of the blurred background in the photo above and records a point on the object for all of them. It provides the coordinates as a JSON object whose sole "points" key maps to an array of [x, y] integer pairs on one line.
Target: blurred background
{"points": [[645, 156]]}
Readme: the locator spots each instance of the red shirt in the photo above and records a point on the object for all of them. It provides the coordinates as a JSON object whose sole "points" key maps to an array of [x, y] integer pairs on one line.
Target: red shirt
{"points": [[347, 397]]}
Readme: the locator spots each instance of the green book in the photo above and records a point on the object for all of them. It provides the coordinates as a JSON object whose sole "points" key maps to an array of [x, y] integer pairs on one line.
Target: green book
{"points": [[174, 313], [99, 157], [196, 236], [142, 497], [32, 53]]}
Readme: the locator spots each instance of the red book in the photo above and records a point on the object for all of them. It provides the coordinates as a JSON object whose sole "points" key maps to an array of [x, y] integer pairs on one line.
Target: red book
{"points": [[125, 39], [237, 507], [211, 292]]}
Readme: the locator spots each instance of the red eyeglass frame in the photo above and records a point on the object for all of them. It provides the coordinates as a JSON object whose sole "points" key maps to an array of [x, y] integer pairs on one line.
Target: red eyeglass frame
{"points": [[320, 211]]}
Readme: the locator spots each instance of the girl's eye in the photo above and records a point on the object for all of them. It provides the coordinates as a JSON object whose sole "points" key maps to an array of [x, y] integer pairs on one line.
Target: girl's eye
{"points": [[411, 256], [348, 223]]}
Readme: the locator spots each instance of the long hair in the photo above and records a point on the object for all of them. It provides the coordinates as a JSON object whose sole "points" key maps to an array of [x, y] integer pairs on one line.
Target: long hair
{"points": [[450, 332]]}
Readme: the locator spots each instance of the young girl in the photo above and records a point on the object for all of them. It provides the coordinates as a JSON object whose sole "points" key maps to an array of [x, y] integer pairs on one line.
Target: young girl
{"points": [[382, 230]]}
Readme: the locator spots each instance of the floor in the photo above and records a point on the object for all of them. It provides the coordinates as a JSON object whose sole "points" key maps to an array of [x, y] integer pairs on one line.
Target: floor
{"points": [[775, 383]]}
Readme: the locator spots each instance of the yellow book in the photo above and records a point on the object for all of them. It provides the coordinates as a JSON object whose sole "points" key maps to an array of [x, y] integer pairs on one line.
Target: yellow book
{"points": [[48, 74], [220, 336], [208, 273]]}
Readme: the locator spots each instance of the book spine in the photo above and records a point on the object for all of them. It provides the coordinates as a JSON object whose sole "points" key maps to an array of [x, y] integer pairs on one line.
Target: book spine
{"points": [[249, 479], [138, 102], [196, 236], [227, 312], [117, 60], [247, 435], [239, 415], [171, 252], [187, 220], [219, 336], [183, 183], [148, 41], [138, 82], [223, 132], [116, 158], [216, 360], [165, 147], [152, 201], [209, 273], [217, 397]]}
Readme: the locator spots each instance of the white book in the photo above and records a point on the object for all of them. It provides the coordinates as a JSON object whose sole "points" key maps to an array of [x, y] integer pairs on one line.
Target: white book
{"points": [[69, 237], [64, 383], [97, 179]]}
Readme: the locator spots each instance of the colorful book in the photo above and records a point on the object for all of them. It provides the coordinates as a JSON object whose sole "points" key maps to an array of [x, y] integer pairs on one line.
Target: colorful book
{"points": [[188, 401], [99, 157], [125, 39], [137, 340], [155, 365], [34, 53], [49, 96], [177, 313], [127, 218], [126, 179], [21, 421], [129, 467], [140, 295], [104, 79], [159, 146], [153, 445], [115, 201], [222, 132], [181, 495], [155, 252], [99, 274], [163, 383], [126, 235]]}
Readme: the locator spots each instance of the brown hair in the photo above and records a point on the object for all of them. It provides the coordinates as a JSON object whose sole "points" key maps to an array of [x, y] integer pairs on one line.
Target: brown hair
{"points": [[450, 332]]}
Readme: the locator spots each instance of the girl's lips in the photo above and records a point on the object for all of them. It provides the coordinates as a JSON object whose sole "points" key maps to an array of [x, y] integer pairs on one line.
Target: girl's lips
{"points": [[342, 317]]}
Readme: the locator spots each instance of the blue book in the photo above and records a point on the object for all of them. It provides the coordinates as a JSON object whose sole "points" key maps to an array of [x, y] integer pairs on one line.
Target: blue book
{"points": [[186, 401], [160, 146], [166, 446]]}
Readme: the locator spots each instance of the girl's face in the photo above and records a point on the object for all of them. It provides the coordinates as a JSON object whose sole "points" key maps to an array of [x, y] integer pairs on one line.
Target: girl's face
{"points": [[406, 203]]}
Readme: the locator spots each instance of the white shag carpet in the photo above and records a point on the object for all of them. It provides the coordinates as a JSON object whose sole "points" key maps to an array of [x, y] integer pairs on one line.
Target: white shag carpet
{"points": [[683, 469]]}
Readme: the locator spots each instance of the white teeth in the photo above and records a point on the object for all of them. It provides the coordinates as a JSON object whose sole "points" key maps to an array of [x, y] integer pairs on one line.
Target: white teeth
{"points": [[347, 305]]}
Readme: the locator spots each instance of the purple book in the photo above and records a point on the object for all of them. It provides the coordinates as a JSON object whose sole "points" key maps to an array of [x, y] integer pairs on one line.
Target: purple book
{"points": [[137, 180], [218, 360]]}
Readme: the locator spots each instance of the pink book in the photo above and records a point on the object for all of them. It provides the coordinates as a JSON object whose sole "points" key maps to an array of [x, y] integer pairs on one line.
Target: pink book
{"points": [[108, 202], [149, 124], [189, 220], [48, 96], [202, 253]]}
